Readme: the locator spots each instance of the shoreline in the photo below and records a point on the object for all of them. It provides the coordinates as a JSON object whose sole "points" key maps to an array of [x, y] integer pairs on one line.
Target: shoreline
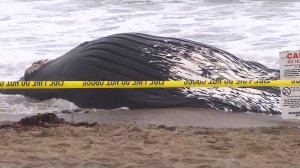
{"points": [[195, 117]]}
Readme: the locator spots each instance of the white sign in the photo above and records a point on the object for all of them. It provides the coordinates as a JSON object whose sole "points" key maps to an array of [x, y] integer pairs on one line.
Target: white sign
{"points": [[290, 96]]}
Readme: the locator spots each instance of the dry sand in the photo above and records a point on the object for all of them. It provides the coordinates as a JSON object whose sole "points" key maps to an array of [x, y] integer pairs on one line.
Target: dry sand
{"points": [[131, 145], [197, 138]]}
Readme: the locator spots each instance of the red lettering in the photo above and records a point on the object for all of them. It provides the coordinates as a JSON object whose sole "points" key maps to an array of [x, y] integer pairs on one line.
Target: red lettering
{"points": [[293, 55]]}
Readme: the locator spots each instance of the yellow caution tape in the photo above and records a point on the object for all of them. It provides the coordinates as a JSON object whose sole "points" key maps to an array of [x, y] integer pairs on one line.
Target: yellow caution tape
{"points": [[143, 84]]}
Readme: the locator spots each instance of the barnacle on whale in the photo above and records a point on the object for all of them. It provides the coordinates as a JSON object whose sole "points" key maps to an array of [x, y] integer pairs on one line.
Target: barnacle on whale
{"points": [[36, 66]]}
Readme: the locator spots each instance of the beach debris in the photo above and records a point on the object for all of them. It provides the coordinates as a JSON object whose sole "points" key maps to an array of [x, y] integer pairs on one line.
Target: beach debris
{"points": [[6, 125], [44, 120], [166, 128], [84, 124], [41, 119]]}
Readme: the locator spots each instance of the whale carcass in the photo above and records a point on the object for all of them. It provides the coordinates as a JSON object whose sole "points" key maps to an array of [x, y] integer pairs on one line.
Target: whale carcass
{"points": [[135, 56]]}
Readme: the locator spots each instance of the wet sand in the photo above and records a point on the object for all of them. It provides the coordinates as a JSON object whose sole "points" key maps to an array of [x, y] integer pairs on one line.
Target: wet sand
{"points": [[196, 117], [162, 138]]}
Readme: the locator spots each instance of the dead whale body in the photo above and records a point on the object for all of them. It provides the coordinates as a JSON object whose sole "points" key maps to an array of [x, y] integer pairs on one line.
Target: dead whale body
{"points": [[135, 56]]}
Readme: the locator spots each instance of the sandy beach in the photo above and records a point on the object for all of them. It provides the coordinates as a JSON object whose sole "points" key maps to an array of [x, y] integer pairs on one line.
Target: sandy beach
{"points": [[126, 144]]}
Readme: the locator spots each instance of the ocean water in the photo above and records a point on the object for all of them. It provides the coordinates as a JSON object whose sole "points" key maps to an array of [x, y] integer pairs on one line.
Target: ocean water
{"points": [[35, 29]]}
